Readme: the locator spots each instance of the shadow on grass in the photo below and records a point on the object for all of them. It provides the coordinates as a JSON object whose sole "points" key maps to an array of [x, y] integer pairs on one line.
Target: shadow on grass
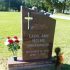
{"points": [[65, 67]]}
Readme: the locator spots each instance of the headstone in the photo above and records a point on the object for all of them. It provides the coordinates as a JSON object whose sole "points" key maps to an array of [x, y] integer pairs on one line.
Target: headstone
{"points": [[37, 35], [37, 42]]}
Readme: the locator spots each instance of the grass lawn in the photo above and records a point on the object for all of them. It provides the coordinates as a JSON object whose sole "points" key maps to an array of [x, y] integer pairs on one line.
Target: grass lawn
{"points": [[10, 26], [62, 38]]}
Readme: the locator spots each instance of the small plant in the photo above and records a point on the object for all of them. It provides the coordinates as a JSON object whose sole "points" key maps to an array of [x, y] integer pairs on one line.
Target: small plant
{"points": [[59, 58], [13, 44], [57, 51]]}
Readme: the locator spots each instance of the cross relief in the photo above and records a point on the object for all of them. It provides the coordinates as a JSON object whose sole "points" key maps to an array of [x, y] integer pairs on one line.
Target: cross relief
{"points": [[28, 18]]}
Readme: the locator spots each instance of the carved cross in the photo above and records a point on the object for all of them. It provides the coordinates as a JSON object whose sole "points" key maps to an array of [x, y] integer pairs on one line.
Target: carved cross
{"points": [[28, 18]]}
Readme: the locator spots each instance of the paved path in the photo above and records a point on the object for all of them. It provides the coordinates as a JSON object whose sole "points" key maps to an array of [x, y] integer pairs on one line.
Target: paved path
{"points": [[61, 17]]}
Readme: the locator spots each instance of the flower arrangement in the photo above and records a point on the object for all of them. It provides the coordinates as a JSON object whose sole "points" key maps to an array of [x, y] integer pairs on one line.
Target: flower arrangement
{"points": [[13, 44]]}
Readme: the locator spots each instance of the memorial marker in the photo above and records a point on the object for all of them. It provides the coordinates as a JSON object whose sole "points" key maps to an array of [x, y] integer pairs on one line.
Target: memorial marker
{"points": [[37, 35], [37, 42]]}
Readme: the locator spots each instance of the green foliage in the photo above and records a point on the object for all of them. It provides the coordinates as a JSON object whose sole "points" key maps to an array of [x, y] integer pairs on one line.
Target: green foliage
{"points": [[13, 47], [59, 6], [47, 5], [15, 4], [40, 4]]}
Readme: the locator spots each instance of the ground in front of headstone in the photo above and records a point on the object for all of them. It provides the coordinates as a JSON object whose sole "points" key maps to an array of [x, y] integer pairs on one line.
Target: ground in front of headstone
{"points": [[3, 64]]}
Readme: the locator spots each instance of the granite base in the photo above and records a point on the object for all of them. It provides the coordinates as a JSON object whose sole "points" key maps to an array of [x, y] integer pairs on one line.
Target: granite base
{"points": [[21, 65]]}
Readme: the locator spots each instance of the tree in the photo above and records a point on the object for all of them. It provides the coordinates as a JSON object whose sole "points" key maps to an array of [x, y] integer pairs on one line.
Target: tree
{"points": [[67, 6], [58, 6], [62, 5], [49, 4], [2, 5], [15, 4], [40, 4]]}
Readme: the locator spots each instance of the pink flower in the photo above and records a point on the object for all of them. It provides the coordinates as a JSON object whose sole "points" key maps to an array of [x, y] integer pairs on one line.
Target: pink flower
{"points": [[7, 43], [15, 37], [12, 43]]}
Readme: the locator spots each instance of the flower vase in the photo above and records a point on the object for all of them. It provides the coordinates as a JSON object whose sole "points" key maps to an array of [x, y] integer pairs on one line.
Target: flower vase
{"points": [[15, 56]]}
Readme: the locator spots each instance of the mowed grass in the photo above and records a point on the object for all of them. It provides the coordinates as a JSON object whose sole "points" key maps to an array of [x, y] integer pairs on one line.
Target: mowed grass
{"points": [[10, 25], [62, 38]]}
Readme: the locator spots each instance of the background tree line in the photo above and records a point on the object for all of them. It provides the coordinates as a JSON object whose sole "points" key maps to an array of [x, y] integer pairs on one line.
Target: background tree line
{"points": [[47, 5]]}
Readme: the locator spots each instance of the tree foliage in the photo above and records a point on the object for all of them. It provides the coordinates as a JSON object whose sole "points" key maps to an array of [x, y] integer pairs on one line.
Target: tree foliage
{"points": [[47, 5], [62, 5]]}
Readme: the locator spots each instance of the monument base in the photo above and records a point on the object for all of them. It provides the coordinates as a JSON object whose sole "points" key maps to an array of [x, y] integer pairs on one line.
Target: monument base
{"points": [[21, 65]]}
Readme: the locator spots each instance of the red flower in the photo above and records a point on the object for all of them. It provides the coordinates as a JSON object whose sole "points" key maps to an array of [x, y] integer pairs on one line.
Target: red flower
{"points": [[10, 41], [15, 37], [17, 41]]}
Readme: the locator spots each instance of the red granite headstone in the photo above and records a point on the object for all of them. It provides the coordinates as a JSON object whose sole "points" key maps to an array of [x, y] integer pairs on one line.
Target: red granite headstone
{"points": [[37, 35]]}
